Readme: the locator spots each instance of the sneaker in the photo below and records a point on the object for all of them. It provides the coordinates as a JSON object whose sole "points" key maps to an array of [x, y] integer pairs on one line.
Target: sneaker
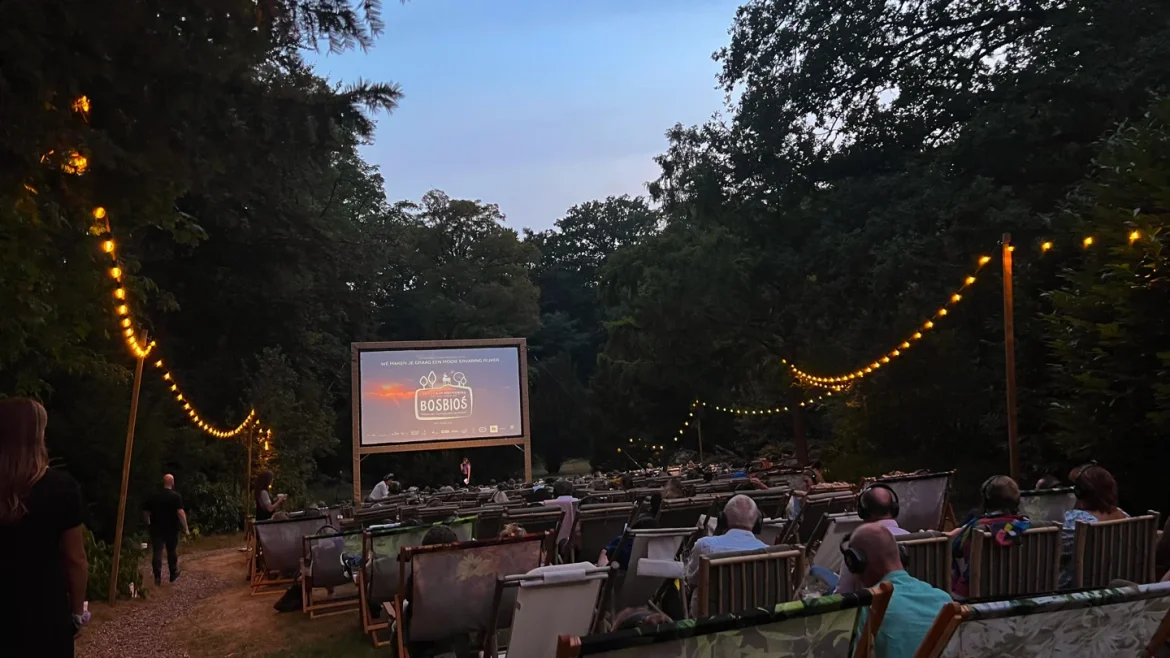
{"points": [[175, 575]]}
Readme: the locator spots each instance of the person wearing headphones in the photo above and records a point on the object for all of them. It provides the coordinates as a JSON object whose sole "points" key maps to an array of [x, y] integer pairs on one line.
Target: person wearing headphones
{"points": [[1096, 493], [810, 478], [742, 519], [1001, 517], [872, 556], [877, 503]]}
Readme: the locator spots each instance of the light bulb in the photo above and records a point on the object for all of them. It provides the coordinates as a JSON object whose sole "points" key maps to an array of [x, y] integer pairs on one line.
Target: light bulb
{"points": [[956, 297], [1045, 246], [983, 260], [116, 272], [1088, 242], [1133, 237]]}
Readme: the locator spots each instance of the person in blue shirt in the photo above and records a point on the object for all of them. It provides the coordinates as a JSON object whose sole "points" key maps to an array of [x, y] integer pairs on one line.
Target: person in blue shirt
{"points": [[741, 516], [872, 555]]}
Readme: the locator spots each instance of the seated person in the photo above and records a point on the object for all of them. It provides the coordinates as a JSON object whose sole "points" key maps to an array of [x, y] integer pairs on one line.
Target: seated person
{"points": [[500, 496], [512, 530], [1001, 517], [1048, 482], [872, 555], [637, 617], [875, 504], [1096, 492], [382, 489], [740, 515], [619, 551], [809, 479], [673, 489]]}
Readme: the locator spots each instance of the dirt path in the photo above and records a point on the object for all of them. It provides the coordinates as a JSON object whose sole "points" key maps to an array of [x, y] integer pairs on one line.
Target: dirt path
{"points": [[143, 628]]}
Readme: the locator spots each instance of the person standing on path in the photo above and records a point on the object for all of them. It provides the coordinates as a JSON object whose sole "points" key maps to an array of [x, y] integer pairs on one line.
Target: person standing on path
{"points": [[43, 566], [164, 514]]}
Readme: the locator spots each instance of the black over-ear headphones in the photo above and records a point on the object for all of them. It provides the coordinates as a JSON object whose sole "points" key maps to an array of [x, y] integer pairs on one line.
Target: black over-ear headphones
{"points": [[811, 474], [722, 527], [866, 512], [855, 560], [1079, 489]]}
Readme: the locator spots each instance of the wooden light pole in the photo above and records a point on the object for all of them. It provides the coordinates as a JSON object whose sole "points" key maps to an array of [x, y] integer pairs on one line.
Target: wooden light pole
{"points": [[1009, 347], [117, 546]]}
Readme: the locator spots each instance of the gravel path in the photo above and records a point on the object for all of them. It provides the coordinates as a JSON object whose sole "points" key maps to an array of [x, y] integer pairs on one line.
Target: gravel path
{"points": [[142, 631]]}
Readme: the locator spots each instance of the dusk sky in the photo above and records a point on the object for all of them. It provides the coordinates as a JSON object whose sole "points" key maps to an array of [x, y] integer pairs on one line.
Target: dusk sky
{"points": [[536, 105]]}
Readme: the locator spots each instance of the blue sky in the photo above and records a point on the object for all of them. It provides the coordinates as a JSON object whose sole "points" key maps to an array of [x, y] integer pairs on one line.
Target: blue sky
{"points": [[536, 105]]}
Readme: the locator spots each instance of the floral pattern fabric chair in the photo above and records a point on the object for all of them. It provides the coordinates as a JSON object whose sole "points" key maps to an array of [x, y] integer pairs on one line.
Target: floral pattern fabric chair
{"points": [[1132, 621], [824, 627]]}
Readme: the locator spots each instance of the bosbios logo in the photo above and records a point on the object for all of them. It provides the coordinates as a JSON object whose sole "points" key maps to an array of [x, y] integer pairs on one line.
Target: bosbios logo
{"points": [[443, 399]]}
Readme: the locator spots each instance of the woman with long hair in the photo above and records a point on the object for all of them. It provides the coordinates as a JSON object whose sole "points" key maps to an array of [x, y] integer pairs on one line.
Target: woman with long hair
{"points": [[265, 505], [42, 555]]}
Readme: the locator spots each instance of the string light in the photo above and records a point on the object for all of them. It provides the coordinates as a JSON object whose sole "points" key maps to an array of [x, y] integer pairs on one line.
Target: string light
{"points": [[1134, 237], [1045, 246], [839, 380], [1087, 242]]}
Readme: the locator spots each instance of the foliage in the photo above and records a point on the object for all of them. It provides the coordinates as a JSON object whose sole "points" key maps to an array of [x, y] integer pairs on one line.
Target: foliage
{"points": [[213, 507], [100, 557]]}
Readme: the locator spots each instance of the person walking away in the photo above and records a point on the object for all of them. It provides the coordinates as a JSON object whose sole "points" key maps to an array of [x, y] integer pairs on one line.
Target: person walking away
{"points": [[872, 555], [265, 505], [164, 516], [42, 556]]}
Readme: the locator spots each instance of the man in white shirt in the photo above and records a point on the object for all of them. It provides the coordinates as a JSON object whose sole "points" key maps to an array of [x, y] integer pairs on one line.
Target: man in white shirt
{"points": [[876, 504], [741, 516], [382, 489]]}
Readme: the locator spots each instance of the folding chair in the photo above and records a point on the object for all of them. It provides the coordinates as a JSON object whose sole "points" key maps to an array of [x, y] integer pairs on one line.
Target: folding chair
{"points": [[550, 601], [1111, 550], [322, 568], [1047, 504], [597, 525], [277, 558], [1028, 567], [922, 498], [826, 627], [742, 580]]}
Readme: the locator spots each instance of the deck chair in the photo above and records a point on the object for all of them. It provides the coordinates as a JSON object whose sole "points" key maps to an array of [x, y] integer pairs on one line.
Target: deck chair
{"points": [[437, 513], [927, 557], [771, 502], [604, 498], [744, 580], [808, 522], [1130, 621], [683, 512], [597, 525], [922, 499], [322, 568], [453, 586], [828, 553], [826, 627], [1108, 550], [536, 519], [771, 530], [277, 558], [550, 601], [653, 559], [488, 522], [1029, 567], [1047, 504]]}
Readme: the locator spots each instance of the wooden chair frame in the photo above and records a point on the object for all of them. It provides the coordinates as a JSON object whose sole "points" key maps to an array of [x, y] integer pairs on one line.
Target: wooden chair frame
{"points": [[331, 606], [604, 598], [1148, 553], [791, 556]]}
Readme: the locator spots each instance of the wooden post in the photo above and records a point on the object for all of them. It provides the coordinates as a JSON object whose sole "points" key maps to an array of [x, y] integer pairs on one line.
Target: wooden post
{"points": [[250, 437], [699, 430], [1009, 347], [117, 546], [528, 460], [798, 434]]}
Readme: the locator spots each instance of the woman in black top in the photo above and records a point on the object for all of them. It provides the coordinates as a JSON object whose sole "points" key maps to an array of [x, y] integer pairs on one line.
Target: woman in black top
{"points": [[265, 505], [42, 557]]}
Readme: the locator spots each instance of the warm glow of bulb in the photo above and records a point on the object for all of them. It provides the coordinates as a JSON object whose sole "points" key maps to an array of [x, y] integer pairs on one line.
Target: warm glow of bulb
{"points": [[917, 335], [167, 376], [956, 297], [983, 260], [1045, 246], [970, 280], [942, 311], [119, 293], [129, 332], [885, 359], [895, 353], [108, 246], [906, 345], [928, 325], [123, 309], [1011, 247], [116, 272], [99, 213], [1088, 242], [1134, 237], [125, 322]]}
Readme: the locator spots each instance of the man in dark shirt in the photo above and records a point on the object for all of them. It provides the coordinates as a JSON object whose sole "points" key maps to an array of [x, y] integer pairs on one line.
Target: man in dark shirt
{"points": [[164, 514]]}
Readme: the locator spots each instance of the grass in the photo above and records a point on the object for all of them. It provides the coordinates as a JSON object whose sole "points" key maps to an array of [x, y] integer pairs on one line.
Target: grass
{"points": [[342, 646]]}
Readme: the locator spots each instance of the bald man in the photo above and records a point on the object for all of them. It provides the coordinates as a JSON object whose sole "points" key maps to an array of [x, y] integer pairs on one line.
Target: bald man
{"points": [[877, 503], [164, 515], [914, 604], [741, 515]]}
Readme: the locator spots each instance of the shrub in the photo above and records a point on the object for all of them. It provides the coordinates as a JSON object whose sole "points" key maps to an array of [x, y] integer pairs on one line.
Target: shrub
{"points": [[213, 507], [100, 557]]}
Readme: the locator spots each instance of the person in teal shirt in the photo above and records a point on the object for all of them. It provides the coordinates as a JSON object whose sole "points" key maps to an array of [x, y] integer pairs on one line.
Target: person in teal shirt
{"points": [[872, 555]]}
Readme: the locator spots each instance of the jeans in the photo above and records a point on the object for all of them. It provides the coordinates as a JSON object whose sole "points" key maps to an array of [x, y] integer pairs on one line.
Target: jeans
{"points": [[171, 541]]}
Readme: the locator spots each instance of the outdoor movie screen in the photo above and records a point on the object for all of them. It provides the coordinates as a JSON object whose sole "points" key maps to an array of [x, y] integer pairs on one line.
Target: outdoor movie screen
{"points": [[444, 394]]}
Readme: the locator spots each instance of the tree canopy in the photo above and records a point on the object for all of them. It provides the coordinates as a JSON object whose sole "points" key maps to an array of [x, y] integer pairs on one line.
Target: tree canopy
{"points": [[870, 153]]}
